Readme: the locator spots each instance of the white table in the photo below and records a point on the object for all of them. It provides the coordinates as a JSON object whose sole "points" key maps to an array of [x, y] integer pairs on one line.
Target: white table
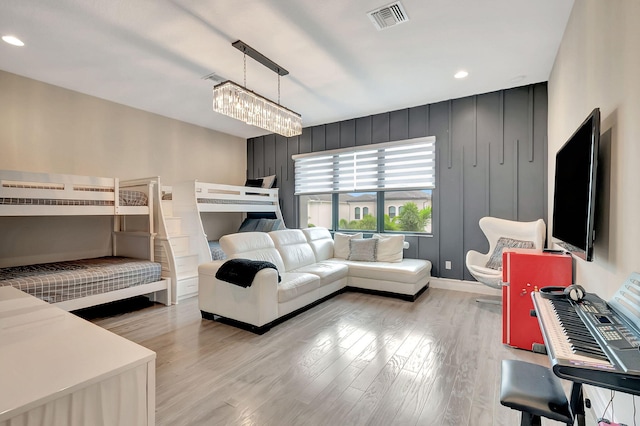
{"points": [[58, 369]]}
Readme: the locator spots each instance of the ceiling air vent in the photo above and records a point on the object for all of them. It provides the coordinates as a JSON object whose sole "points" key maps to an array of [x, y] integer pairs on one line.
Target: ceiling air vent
{"points": [[214, 77], [388, 16]]}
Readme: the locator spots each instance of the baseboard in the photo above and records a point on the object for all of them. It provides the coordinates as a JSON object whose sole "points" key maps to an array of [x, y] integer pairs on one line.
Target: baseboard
{"points": [[466, 286], [620, 411], [405, 297]]}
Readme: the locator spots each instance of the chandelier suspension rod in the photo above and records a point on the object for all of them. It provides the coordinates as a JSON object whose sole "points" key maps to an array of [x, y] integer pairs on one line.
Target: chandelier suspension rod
{"points": [[259, 57]]}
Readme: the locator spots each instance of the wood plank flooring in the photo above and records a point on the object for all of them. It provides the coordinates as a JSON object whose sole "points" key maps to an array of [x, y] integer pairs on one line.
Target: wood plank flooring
{"points": [[355, 359]]}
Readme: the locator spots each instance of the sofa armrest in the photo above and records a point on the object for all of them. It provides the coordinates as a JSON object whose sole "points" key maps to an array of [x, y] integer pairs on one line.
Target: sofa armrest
{"points": [[256, 305]]}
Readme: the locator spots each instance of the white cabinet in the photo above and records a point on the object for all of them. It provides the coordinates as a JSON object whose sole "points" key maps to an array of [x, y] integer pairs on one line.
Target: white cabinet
{"points": [[58, 369]]}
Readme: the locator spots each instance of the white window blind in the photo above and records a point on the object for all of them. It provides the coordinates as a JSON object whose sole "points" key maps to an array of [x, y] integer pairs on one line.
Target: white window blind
{"points": [[408, 164]]}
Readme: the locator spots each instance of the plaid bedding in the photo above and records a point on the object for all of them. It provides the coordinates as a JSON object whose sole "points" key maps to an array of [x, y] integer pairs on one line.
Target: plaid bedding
{"points": [[127, 198], [56, 282], [133, 198]]}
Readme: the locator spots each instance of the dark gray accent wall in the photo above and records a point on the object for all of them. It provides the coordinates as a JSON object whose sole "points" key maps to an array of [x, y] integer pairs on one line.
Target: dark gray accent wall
{"points": [[491, 161]]}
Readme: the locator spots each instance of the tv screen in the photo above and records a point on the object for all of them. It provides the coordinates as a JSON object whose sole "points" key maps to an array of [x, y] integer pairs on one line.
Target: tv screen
{"points": [[574, 196]]}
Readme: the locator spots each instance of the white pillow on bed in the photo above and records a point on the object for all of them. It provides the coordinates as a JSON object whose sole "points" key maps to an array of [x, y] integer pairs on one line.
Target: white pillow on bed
{"points": [[268, 181]]}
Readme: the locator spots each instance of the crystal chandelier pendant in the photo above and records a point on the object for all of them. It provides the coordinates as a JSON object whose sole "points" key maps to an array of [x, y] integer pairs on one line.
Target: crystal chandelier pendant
{"points": [[238, 102]]}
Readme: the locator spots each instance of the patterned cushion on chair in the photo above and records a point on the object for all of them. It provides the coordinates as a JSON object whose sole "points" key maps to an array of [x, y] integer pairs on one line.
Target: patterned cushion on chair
{"points": [[495, 261]]}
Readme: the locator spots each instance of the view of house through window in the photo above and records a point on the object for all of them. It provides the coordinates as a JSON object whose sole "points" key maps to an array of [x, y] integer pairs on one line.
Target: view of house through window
{"points": [[414, 211], [315, 210], [363, 188], [349, 207], [357, 211]]}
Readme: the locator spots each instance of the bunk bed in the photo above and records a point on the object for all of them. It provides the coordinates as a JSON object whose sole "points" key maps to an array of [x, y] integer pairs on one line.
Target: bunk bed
{"points": [[126, 270], [190, 201]]}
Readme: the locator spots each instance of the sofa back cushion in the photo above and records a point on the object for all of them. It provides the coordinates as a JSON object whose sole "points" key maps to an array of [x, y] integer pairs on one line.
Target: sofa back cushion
{"points": [[390, 248], [320, 241], [252, 245], [293, 247]]}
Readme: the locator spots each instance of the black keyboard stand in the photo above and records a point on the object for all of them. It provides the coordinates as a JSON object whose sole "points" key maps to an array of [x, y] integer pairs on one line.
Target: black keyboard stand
{"points": [[576, 403]]}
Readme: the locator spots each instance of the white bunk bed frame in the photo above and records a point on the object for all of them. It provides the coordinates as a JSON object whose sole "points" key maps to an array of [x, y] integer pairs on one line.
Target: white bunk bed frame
{"points": [[191, 198], [44, 190]]}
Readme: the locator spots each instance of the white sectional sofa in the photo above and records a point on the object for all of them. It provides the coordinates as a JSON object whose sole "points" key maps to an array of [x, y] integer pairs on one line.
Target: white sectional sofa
{"points": [[309, 274]]}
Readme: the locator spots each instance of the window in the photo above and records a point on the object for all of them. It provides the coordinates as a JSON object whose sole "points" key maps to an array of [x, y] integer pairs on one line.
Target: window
{"points": [[361, 202], [395, 177], [414, 211], [315, 210]]}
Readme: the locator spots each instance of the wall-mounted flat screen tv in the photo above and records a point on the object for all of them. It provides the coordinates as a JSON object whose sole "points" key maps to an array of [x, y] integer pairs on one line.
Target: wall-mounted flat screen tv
{"points": [[574, 199]]}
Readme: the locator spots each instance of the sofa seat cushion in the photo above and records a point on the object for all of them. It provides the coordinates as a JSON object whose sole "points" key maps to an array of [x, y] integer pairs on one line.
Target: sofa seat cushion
{"points": [[408, 271], [328, 272], [295, 284]]}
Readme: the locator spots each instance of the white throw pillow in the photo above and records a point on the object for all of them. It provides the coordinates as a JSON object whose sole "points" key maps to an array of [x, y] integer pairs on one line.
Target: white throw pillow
{"points": [[341, 244], [268, 181], [390, 248]]}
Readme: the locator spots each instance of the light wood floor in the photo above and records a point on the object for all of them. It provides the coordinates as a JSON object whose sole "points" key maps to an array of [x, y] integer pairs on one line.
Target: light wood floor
{"points": [[355, 359]]}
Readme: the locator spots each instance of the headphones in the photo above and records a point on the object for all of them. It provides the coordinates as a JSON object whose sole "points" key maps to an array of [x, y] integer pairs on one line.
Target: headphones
{"points": [[573, 292]]}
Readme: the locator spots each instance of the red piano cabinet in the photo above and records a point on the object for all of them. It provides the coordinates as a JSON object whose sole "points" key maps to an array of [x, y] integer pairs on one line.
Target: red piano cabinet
{"points": [[525, 271]]}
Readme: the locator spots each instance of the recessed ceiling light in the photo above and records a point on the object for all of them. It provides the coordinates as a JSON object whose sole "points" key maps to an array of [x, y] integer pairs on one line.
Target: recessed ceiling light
{"points": [[13, 40], [461, 74]]}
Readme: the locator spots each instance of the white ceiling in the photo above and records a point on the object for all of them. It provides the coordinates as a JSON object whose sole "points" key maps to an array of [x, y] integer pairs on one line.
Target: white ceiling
{"points": [[152, 54]]}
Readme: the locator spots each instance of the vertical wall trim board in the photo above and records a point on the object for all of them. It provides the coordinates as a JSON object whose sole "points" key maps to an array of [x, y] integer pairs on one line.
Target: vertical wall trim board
{"points": [[530, 124], [461, 195], [502, 126], [428, 112], [449, 137], [487, 182], [475, 131]]}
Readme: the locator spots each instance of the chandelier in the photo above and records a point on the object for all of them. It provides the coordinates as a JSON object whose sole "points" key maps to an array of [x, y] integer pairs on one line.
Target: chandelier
{"points": [[238, 102]]}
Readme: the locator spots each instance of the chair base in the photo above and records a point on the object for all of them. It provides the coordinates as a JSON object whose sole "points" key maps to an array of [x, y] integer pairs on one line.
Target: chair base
{"points": [[490, 301]]}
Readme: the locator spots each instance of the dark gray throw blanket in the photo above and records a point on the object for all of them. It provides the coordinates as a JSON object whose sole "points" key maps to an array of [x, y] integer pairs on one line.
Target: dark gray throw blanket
{"points": [[242, 271]]}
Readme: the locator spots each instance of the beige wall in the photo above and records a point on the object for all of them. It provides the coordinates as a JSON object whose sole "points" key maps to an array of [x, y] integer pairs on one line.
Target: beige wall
{"points": [[44, 128], [598, 65]]}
